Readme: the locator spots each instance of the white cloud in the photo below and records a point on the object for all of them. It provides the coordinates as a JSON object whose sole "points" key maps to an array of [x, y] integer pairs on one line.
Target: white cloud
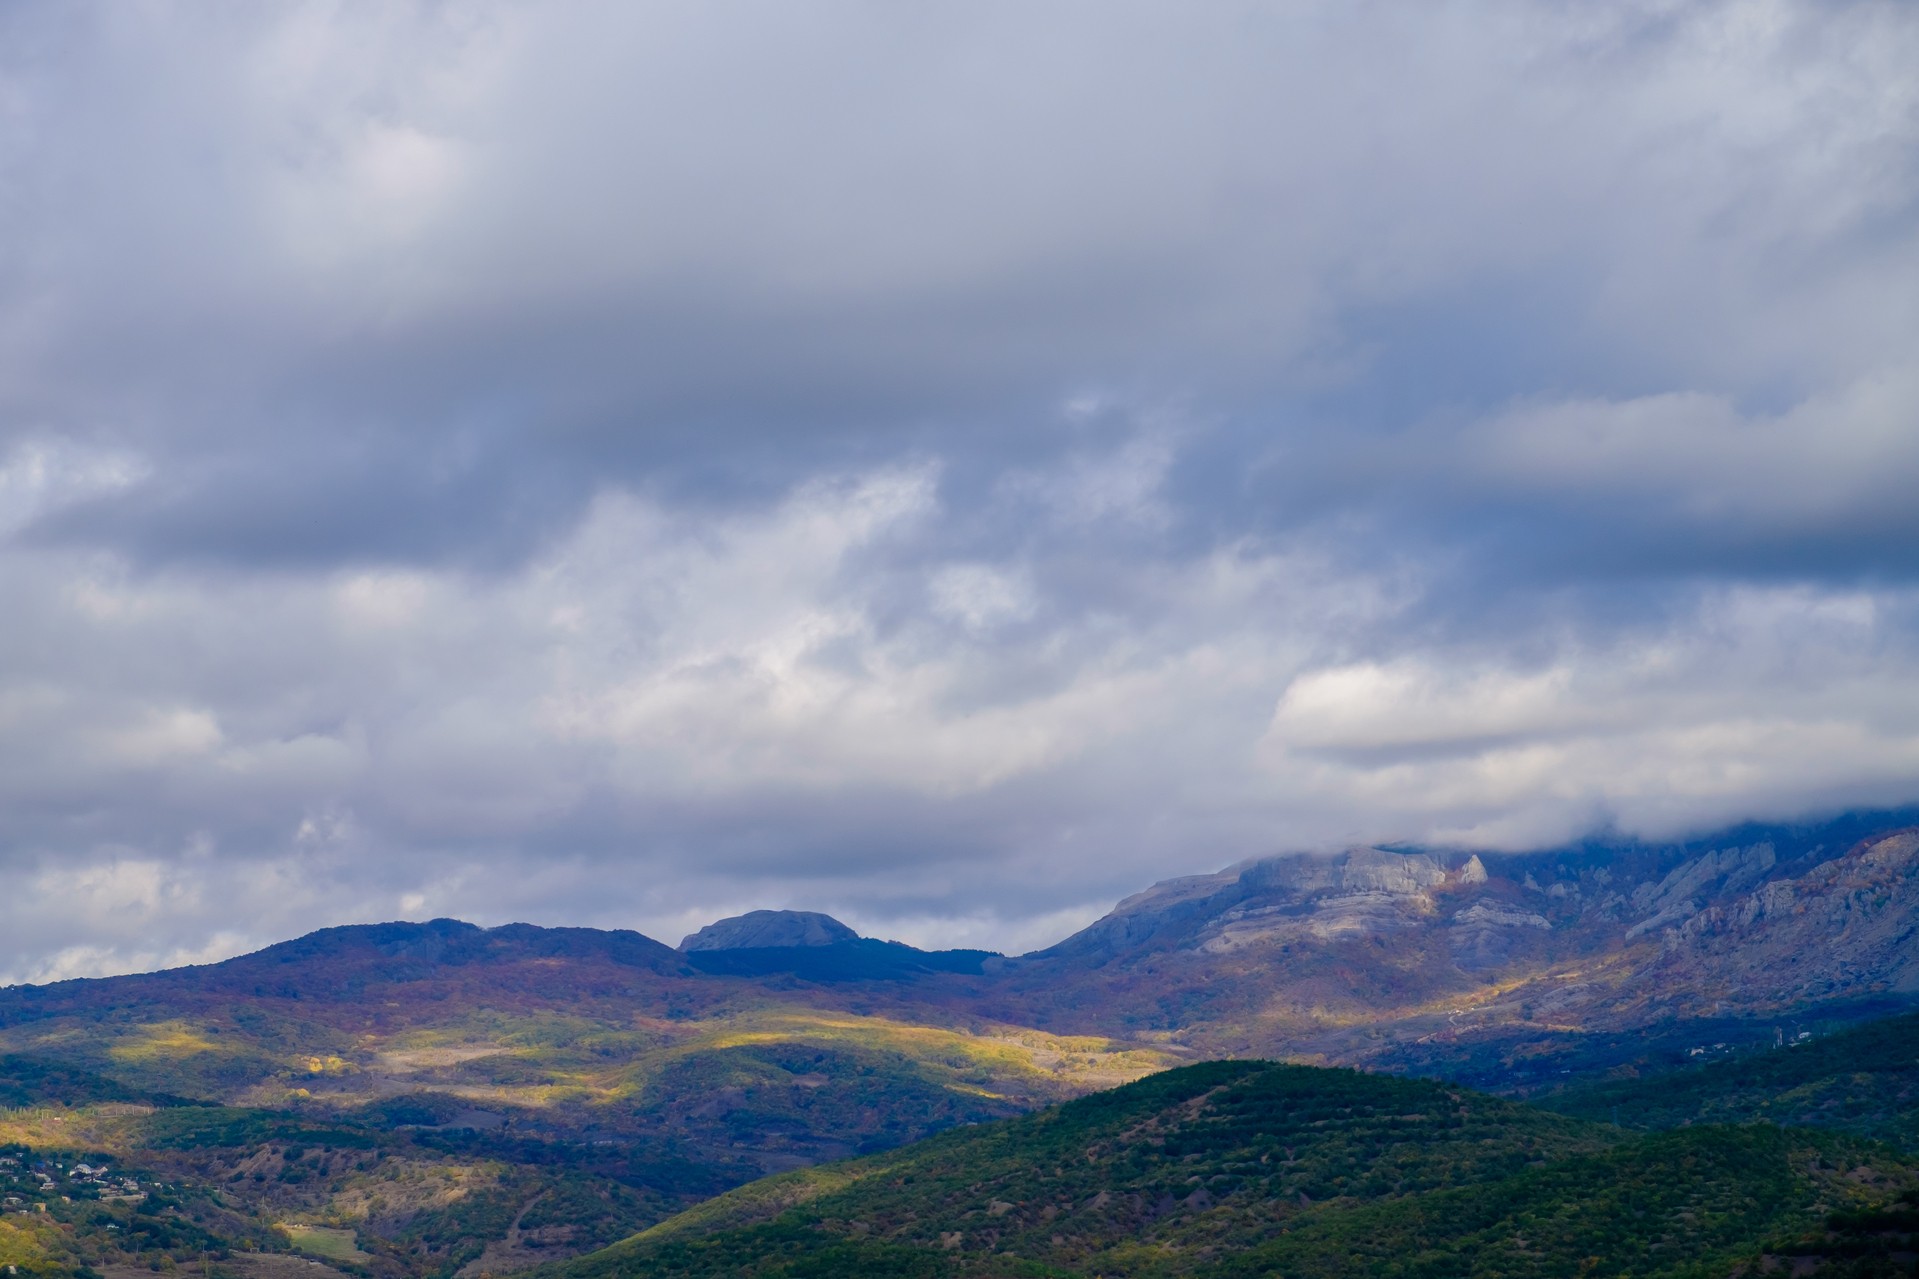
{"points": [[713, 674], [1754, 703], [1844, 458], [40, 476], [164, 736], [981, 596], [611, 463]]}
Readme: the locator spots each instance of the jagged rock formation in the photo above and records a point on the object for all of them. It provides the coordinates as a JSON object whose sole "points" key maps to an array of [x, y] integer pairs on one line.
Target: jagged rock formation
{"points": [[1680, 895], [768, 929]]}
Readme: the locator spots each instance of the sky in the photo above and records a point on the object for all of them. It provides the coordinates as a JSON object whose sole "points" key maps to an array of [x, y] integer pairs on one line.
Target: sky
{"points": [[949, 465]]}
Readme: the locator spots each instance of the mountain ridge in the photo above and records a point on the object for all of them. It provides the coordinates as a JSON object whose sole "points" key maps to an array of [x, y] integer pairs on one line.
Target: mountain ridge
{"points": [[1189, 893], [1319, 955], [1507, 970]]}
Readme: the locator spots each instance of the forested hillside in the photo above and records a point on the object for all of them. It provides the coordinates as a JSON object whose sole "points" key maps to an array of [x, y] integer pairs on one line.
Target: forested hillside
{"points": [[1864, 1079], [1250, 1168]]}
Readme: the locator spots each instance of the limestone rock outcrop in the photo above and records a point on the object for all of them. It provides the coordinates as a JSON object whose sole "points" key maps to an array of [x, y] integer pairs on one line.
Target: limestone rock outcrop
{"points": [[1380, 955]]}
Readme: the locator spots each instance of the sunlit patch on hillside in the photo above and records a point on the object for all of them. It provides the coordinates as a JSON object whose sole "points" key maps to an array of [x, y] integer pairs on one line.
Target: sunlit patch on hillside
{"points": [[24, 1244], [112, 1126], [410, 1060], [161, 1040], [324, 1241], [953, 1056]]}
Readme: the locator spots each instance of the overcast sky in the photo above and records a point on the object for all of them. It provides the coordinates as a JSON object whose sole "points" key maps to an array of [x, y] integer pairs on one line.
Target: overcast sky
{"points": [[948, 465]]}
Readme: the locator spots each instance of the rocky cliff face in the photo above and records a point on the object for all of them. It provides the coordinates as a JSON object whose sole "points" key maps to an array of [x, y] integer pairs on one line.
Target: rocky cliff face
{"points": [[1847, 926]]}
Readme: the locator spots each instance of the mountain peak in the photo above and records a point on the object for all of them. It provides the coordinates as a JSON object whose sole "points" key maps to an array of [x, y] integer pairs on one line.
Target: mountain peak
{"points": [[767, 929]]}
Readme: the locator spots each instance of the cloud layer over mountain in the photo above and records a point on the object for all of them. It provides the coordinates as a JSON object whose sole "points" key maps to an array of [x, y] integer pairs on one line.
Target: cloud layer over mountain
{"points": [[944, 465]]}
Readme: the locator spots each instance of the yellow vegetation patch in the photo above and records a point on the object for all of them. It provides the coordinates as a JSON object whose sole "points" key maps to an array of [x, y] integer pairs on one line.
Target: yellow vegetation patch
{"points": [[324, 1241], [161, 1040], [404, 1060], [402, 1186], [21, 1245], [760, 1200], [955, 1048], [981, 1063], [109, 1127], [535, 1096]]}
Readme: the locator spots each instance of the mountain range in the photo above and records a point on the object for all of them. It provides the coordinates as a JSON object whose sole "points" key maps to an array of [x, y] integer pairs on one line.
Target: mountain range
{"points": [[458, 1099]]}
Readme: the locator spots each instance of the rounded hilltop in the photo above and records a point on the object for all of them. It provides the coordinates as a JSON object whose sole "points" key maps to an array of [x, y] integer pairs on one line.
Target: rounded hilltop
{"points": [[768, 929]]}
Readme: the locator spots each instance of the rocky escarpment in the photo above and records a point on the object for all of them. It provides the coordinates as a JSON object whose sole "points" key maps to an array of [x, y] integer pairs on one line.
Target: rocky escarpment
{"points": [[1684, 891], [1848, 926], [1348, 954], [1303, 898]]}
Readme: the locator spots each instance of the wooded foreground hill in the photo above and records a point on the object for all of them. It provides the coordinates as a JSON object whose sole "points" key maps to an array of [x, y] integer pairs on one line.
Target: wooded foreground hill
{"points": [[1253, 1169]]}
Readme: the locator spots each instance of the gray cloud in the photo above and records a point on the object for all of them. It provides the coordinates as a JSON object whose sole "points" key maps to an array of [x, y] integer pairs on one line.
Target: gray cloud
{"points": [[944, 466]]}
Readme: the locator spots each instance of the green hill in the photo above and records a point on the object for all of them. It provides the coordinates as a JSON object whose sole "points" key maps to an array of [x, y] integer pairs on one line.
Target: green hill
{"points": [[1250, 1168], [1695, 1201], [33, 1081]]}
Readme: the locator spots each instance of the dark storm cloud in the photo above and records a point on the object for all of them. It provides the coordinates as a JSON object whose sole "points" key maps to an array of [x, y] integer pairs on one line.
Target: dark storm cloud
{"points": [[946, 466]]}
